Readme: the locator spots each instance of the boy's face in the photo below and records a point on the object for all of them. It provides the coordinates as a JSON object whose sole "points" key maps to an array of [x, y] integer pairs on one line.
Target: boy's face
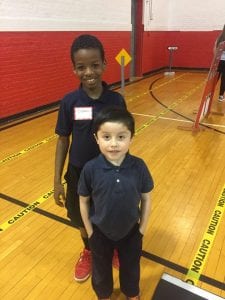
{"points": [[114, 140], [89, 68]]}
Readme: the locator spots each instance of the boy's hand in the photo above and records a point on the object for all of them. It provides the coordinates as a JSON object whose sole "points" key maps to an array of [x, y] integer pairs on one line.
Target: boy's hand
{"points": [[141, 230], [90, 232], [59, 194]]}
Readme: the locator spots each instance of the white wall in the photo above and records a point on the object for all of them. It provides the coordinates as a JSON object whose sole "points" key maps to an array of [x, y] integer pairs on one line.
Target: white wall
{"points": [[74, 15], [190, 15], [156, 14], [106, 15]]}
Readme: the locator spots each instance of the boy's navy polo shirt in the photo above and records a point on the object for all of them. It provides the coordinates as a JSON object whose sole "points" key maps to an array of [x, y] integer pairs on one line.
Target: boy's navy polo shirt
{"points": [[75, 116], [115, 192]]}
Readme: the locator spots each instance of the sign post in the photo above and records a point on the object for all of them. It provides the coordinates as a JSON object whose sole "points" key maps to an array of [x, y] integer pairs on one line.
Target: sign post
{"points": [[171, 50], [123, 58], [122, 75]]}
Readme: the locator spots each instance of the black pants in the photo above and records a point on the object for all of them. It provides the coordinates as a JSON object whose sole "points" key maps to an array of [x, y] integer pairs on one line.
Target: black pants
{"points": [[221, 70], [129, 251], [72, 198]]}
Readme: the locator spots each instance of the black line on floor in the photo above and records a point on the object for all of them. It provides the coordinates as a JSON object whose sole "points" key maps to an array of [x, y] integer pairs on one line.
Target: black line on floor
{"points": [[164, 262], [145, 254], [27, 119], [174, 111], [183, 270], [37, 210]]}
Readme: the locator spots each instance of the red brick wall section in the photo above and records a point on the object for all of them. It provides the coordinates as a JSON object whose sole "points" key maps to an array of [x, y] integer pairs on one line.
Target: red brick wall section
{"points": [[35, 67], [195, 49], [154, 50]]}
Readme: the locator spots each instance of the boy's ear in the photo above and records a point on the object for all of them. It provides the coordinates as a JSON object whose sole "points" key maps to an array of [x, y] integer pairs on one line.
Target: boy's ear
{"points": [[74, 71], [96, 138]]}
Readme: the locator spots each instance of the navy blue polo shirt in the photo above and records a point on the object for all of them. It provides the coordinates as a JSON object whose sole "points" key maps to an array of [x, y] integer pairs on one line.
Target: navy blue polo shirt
{"points": [[75, 116], [115, 192]]}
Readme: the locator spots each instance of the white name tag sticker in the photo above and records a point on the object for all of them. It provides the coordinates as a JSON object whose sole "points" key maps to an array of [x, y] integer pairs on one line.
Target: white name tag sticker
{"points": [[83, 113]]}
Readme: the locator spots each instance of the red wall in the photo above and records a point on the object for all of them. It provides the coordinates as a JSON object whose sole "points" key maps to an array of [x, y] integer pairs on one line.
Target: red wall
{"points": [[35, 67], [154, 50], [195, 49]]}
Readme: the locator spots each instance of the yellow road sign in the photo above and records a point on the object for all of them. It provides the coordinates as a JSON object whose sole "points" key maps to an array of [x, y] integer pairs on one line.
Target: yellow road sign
{"points": [[125, 54]]}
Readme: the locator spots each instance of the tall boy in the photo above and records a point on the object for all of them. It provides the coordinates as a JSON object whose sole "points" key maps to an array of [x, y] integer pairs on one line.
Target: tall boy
{"points": [[75, 118], [119, 185]]}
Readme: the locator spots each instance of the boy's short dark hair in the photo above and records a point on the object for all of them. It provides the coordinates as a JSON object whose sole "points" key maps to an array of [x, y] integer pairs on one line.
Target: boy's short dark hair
{"points": [[114, 114], [86, 41]]}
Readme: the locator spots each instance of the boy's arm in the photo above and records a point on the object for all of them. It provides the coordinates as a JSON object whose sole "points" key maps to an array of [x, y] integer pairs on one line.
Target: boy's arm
{"points": [[145, 211], [84, 210], [60, 157]]}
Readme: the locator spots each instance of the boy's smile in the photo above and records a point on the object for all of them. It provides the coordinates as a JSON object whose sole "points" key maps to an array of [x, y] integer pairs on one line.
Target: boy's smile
{"points": [[89, 68]]}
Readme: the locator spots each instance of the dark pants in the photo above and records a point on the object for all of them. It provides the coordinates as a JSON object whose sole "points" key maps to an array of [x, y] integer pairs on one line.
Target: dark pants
{"points": [[72, 198], [129, 251], [221, 70]]}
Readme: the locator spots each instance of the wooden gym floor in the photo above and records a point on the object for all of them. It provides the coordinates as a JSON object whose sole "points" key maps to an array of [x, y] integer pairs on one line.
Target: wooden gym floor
{"points": [[38, 246]]}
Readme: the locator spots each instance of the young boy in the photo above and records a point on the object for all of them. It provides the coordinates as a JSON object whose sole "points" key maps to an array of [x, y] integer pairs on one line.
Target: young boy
{"points": [[75, 118], [119, 185]]}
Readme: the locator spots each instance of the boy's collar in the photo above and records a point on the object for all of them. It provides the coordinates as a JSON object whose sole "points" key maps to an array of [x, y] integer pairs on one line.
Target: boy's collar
{"points": [[102, 162]]}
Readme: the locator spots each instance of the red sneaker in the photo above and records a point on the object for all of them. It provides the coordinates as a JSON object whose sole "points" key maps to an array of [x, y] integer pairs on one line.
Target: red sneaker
{"points": [[115, 261], [83, 267]]}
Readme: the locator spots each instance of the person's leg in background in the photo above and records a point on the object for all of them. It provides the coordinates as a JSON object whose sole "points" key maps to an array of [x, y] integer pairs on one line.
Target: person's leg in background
{"points": [[221, 70]]}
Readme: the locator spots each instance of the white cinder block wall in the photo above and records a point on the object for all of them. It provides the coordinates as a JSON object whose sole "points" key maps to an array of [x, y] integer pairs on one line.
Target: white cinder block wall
{"points": [[189, 15], [105, 15], [77, 15]]}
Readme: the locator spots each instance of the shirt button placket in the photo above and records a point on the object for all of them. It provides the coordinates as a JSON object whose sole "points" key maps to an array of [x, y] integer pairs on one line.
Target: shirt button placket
{"points": [[117, 171]]}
